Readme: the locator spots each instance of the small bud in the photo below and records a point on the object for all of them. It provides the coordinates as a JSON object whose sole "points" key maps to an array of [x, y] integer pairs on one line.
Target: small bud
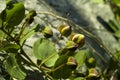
{"points": [[93, 73], [48, 32], [72, 62], [78, 38], [90, 62], [65, 30], [31, 14], [71, 45]]}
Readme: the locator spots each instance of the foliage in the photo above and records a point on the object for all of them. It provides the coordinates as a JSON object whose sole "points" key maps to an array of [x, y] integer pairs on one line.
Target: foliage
{"points": [[70, 62]]}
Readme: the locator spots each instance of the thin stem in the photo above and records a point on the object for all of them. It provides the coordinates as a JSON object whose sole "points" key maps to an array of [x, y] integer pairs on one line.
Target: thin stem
{"points": [[59, 67], [7, 33], [48, 58], [22, 28]]}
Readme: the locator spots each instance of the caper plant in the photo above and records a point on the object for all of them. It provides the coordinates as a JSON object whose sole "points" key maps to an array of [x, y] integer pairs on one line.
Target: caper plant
{"points": [[53, 63]]}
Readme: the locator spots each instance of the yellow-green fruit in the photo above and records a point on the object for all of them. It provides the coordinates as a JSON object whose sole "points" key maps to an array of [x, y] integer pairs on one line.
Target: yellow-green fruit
{"points": [[90, 62], [14, 13], [72, 62], [93, 73], [65, 30], [48, 32], [78, 38], [71, 45]]}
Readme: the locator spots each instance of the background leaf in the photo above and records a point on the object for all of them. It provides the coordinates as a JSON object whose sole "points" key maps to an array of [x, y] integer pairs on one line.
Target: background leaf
{"points": [[117, 33], [12, 67], [117, 2]]}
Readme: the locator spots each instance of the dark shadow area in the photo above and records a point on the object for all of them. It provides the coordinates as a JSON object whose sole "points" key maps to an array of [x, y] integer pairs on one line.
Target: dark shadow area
{"points": [[105, 24], [34, 75]]}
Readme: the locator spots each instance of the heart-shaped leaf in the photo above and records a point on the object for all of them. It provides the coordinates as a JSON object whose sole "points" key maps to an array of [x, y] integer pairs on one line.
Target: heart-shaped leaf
{"points": [[43, 49]]}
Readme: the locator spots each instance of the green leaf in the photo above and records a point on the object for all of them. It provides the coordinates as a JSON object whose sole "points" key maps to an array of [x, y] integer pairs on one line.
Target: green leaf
{"points": [[0, 22], [14, 14], [117, 2], [11, 48], [80, 57], [60, 69], [43, 49], [12, 67], [80, 78], [117, 33], [1, 34], [98, 1], [117, 55], [114, 25], [52, 60]]}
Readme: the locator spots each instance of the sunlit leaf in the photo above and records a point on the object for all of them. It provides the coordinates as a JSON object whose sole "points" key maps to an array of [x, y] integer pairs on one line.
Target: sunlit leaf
{"points": [[80, 57], [117, 33], [117, 2], [98, 1], [13, 68], [1, 34], [52, 60], [117, 55], [80, 78], [43, 48]]}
